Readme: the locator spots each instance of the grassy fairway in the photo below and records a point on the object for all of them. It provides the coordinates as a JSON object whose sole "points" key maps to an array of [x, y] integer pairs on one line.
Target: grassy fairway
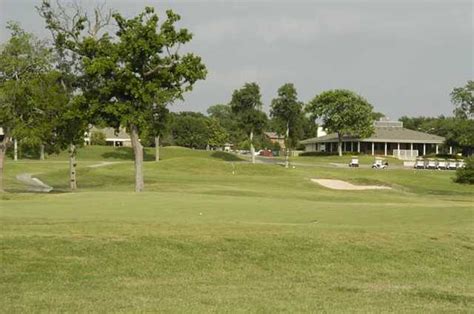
{"points": [[263, 239]]}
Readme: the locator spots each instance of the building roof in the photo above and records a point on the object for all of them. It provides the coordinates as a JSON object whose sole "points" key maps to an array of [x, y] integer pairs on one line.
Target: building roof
{"points": [[389, 134]]}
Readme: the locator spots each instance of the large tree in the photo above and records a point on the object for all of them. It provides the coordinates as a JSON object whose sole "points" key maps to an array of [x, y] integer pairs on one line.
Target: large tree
{"points": [[72, 30], [247, 105], [138, 69], [223, 114], [217, 135], [287, 112], [189, 129], [23, 61], [343, 112], [463, 99]]}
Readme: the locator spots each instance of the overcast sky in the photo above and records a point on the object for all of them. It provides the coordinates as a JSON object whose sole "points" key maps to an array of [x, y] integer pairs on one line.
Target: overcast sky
{"points": [[405, 57]]}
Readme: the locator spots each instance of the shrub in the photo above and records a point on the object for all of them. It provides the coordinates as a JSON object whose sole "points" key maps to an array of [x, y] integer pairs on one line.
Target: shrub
{"points": [[98, 138], [466, 175]]}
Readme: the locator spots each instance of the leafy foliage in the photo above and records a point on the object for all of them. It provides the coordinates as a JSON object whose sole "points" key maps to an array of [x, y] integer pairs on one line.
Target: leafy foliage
{"points": [[466, 174], [224, 115], [246, 105], [459, 132], [287, 112], [189, 129], [217, 135], [343, 112], [24, 79], [140, 72], [194, 130], [463, 99]]}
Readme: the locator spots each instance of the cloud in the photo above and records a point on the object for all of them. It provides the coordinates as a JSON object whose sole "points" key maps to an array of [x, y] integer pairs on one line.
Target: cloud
{"points": [[272, 29]]}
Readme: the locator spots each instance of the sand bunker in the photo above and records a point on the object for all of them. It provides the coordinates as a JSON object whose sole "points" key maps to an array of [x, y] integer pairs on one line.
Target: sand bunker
{"points": [[343, 185]]}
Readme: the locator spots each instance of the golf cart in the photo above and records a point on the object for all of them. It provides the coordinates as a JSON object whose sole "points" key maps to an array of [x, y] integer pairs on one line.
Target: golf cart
{"points": [[419, 164], [452, 164], [379, 164], [354, 162], [432, 164], [442, 164]]}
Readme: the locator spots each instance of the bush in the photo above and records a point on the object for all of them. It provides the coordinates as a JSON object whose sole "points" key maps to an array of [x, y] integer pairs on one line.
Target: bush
{"points": [[466, 175], [98, 138]]}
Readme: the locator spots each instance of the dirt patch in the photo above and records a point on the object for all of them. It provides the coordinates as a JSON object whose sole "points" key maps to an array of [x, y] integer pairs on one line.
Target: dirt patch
{"points": [[343, 185]]}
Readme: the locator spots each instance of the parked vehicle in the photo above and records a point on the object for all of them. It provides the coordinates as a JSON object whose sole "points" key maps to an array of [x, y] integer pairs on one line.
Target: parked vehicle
{"points": [[354, 162], [265, 153], [419, 164], [442, 164], [451, 164], [432, 164], [380, 164]]}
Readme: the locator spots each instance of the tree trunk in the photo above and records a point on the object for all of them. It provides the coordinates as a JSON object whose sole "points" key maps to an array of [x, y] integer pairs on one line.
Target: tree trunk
{"points": [[339, 144], [138, 153], [41, 152], [157, 148], [252, 149], [72, 167], [3, 150], [15, 149], [287, 150]]}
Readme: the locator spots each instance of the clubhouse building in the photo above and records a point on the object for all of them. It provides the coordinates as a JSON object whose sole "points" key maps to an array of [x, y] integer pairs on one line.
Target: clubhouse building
{"points": [[112, 137], [390, 138]]}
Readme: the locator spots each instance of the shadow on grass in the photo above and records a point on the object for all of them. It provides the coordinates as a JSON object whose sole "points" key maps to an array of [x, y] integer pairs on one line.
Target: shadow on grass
{"points": [[126, 153], [226, 156]]}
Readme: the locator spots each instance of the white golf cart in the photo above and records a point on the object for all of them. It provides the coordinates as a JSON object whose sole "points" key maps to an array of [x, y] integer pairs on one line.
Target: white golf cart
{"points": [[432, 164], [420, 164], [379, 164], [354, 162]]}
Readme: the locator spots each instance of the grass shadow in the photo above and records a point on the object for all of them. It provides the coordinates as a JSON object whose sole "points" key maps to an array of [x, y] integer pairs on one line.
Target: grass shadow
{"points": [[226, 156], [126, 153]]}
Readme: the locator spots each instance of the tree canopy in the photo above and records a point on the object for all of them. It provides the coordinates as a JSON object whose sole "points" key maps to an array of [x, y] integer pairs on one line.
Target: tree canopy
{"points": [[463, 99], [25, 65], [287, 113], [246, 105], [138, 70], [343, 112]]}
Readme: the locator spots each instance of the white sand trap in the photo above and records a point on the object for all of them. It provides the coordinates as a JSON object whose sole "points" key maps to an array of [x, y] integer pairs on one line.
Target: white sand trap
{"points": [[343, 185]]}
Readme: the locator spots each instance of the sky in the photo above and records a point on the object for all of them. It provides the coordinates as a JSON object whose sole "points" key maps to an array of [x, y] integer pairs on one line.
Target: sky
{"points": [[404, 57]]}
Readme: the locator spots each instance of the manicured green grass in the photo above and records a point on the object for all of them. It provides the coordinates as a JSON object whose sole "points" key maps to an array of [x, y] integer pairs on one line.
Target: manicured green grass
{"points": [[212, 233]]}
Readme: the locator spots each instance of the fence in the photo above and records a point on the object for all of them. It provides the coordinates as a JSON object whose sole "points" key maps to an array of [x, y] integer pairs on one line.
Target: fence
{"points": [[405, 154]]}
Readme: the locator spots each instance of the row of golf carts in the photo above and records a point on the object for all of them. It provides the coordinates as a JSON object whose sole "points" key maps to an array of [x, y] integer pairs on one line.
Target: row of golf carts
{"points": [[440, 164], [436, 164]]}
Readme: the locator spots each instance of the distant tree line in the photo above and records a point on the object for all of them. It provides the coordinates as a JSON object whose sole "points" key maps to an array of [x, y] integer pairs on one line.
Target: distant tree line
{"points": [[458, 129]]}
